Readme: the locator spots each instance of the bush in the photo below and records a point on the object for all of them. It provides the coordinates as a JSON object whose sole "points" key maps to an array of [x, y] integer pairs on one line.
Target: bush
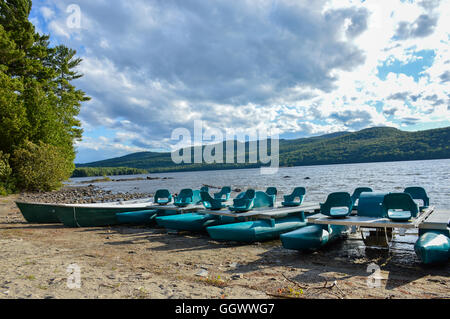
{"points": [[5, 174], [40, 167]]}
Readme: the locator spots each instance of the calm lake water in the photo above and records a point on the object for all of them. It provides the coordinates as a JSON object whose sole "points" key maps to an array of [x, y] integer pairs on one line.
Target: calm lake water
{"points": [[433, 175]]}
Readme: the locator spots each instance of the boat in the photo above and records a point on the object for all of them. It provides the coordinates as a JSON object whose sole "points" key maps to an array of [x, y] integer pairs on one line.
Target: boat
{"points": [[198, 221], [96, 215], [433, 246], [195, 222], [312, 237], [137, 217], [84, 215], [257, 230], [39, 213]]}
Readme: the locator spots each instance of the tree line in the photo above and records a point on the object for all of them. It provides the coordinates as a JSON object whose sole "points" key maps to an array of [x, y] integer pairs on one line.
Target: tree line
{"points": [[106, 171]]}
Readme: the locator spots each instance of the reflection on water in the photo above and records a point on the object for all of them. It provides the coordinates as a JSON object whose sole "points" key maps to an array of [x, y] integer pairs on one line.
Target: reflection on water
{"points": [[319, 181]]}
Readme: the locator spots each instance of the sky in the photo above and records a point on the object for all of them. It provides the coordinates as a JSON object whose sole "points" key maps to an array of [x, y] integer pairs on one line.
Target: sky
{"points": [[295, 68]]}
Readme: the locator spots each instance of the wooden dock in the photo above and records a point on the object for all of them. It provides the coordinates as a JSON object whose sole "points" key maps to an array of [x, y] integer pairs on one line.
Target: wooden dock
{"points": [[439, 219], [267, 212], [430, 218]]}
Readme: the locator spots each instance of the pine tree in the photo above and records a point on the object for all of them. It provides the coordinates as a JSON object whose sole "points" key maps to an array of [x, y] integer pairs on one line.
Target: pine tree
{"points": [[38, 102]]}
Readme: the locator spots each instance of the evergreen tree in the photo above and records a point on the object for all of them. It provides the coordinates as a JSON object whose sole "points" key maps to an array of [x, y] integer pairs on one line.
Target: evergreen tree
{"points": [[38, 102]]}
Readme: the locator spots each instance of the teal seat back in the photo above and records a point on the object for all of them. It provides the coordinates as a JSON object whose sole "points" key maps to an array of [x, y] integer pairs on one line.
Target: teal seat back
{"points": [[370, 204], [417, 192], [196, 197], [240, 195], [297, 192], [401, 201], [250, 194], [225, 191], [357, 192], [262, 199], [163, 196], [337, 199], [204, 189], [210, 202], [271, 191], [186, 196], [244, 200]]}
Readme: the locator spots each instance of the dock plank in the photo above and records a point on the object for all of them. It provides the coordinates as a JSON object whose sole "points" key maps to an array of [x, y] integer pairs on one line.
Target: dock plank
{"points": [[266, 212], [361, 221], [439, 219], [430, 218]]}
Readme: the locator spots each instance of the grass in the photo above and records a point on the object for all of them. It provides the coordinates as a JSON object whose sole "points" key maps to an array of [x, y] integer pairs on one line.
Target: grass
{"points": [[29, 277], [217, 282]]}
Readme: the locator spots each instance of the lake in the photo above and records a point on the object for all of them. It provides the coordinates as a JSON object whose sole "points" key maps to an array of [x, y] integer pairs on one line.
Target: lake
{"points": [[318, 180]]}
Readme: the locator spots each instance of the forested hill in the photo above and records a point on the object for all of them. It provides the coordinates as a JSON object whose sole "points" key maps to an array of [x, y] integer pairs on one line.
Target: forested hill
{"points": [[376, 144]]}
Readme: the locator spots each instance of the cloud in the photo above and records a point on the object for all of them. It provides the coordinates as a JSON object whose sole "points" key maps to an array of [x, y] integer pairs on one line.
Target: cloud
{"points": [[421, 27], [399, 96], [445, 77], [295, 67]]}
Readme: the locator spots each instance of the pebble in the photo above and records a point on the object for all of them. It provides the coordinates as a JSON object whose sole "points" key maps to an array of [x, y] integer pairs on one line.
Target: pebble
{"points": [[237, 276], [202, 273]]}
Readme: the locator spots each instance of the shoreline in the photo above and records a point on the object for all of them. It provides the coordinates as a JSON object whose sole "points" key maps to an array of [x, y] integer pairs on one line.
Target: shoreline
{"points": [[134, 262], [79, 195]]}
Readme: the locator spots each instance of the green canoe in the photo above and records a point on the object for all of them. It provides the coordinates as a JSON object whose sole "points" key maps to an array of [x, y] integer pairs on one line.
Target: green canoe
{"points": [[85, 216], [80, 215]]}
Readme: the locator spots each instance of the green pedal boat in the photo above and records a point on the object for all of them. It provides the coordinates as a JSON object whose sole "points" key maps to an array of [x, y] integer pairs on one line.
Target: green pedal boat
{"points": [[257, 230], [433, 246]]}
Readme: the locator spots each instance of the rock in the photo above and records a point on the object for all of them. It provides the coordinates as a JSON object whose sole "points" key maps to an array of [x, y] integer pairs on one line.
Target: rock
{"points": [[234, 265], [237, 276], [202, 273]]}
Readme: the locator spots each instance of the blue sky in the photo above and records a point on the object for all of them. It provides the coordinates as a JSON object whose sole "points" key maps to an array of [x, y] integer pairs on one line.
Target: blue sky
{"points": [[295, 68]]}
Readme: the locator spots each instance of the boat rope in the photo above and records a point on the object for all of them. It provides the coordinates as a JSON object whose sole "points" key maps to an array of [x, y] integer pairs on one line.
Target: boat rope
{"points": [[75, 217]]}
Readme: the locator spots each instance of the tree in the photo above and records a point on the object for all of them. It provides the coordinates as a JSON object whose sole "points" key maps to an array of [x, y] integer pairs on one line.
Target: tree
{"points": [[38, 102], [40, 167]]}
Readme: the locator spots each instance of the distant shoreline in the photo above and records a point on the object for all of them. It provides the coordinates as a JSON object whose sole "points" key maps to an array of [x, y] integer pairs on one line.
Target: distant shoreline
{"points": [[204, 169]]}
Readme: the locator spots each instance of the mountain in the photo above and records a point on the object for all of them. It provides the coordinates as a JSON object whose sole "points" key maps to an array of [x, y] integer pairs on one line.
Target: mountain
{"points": [[375, 144]]}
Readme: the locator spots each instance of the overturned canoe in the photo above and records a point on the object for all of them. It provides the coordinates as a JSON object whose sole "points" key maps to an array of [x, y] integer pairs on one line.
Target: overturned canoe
{"points": [[56, 213], [84, 216], [433, 246], [192, 221], [138, 217], [258, 230], [312, 236], [37, 213]]}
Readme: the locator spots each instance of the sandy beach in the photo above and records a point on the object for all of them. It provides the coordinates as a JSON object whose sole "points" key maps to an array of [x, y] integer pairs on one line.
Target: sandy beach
{"points": [[148, 262]]}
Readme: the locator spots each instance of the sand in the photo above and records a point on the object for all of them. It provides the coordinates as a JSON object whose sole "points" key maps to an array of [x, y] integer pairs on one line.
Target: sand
{"points": [[147, 262]]}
